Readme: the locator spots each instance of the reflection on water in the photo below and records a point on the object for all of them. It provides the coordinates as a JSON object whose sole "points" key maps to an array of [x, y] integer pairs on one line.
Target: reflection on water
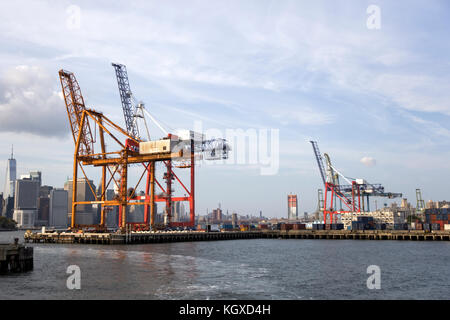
{"points": [[241, 269]]}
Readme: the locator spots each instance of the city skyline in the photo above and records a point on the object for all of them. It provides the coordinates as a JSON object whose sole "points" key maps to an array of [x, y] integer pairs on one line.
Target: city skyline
{"points": [[262, 72]]}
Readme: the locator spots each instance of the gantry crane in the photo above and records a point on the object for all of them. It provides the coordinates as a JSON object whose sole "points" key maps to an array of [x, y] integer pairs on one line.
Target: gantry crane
{"points": [[420, 207], [114, 163], [192, 143], [352, 195]]}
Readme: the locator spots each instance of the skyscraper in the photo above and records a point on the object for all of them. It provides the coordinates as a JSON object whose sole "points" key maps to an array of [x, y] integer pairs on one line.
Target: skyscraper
{"points": [[58, 208], [292, 207], [11, 168], [1, 204], [26, 202], [36, 176], [85, 212]]}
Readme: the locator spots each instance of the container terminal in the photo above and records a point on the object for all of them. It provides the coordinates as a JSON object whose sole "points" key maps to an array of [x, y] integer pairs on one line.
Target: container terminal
{"points": [[343, 209]]}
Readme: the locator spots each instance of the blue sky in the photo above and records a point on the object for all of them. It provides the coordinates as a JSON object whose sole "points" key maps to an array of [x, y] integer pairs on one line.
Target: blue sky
{"points": [[310, 70]]}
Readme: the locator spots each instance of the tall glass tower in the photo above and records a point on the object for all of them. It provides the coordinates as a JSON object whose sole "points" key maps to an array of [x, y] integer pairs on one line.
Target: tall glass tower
{"points": [[10, 176]]}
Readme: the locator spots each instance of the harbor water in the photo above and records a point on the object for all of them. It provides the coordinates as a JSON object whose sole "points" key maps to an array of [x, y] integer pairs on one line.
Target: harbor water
{"points": [[235, 269]]}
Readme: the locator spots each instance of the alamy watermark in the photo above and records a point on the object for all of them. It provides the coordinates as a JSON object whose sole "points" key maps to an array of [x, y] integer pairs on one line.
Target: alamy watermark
{"points": [[374, 19], [374, 280], [253, 147], [73, 20], [74, 280]]}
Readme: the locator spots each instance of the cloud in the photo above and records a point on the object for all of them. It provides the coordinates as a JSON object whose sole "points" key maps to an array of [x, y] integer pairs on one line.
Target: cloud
{"points": [[303, 115], [29, 103], [368, 161]]}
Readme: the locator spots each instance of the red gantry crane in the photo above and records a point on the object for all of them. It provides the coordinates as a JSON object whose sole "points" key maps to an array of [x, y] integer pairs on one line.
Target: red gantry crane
{"points": [[354, 195]]}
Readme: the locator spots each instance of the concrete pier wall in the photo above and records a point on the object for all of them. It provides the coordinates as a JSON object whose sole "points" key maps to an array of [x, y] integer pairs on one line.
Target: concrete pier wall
{"points": [[151, 237]]}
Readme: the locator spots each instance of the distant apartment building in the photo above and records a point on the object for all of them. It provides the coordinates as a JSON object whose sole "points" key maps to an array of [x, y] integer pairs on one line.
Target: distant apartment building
{"points": [[217, 215], [292, 207], [58, 202], [25, 202]]}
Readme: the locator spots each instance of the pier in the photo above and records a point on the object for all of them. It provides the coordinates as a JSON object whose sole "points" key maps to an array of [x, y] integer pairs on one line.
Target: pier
{"points": [[15, 258], [161, 237], [410, 235]]}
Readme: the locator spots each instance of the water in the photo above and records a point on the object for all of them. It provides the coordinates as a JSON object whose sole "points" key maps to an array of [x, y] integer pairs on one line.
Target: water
{"points": [[240, 269]]}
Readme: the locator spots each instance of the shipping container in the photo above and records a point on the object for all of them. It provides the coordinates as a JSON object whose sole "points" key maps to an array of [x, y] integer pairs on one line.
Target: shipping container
{"points": [[287, 226], [401, 226], [157, 146], [380, 226], [299, 226], [337, 226], [436, 226], [318, 226]]}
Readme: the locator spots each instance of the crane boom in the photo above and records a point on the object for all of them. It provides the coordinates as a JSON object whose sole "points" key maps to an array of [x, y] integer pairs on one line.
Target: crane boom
{"points": [[129, 110], [319, 160], [75, 107]]}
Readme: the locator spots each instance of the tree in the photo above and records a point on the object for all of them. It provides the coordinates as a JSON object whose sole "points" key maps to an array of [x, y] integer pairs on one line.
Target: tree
{"points": [[8, 224]]}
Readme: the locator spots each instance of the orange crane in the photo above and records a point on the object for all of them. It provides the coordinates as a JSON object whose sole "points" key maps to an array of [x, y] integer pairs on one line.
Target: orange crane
{"points": [[114, 164]]}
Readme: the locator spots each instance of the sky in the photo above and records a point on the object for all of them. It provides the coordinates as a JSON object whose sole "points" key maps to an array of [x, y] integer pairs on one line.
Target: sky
{"points": [[372, 87]]}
